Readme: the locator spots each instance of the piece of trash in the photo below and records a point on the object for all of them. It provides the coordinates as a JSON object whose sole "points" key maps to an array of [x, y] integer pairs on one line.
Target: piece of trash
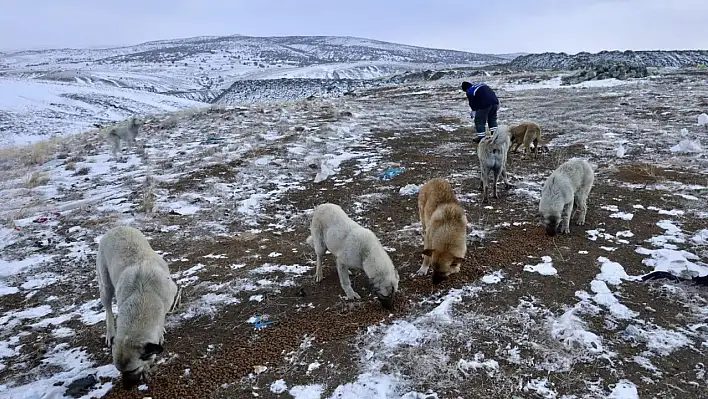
{"points": [[703, 120], [45, 219], [259, 369], [390, 173], [409, 189], [621, 151], [260, 321], [687, 146]]}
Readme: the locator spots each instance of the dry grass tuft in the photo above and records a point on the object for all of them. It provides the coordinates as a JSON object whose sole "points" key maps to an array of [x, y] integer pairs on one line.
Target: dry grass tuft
{"points": [[36, 179], [83, 171], [148, 197], [70, 166]]}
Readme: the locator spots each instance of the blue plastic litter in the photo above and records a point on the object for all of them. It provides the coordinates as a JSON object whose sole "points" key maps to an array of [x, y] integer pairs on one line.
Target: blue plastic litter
{"points": [[259, 322], [390, 173]]}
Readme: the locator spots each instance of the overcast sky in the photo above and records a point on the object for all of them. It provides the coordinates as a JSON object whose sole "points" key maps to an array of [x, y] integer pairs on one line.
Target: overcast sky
{"points": [[491, 26]]}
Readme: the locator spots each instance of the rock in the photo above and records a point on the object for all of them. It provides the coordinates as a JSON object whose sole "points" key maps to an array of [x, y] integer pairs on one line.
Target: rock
{"points": [[81, 386], [606, 70]]}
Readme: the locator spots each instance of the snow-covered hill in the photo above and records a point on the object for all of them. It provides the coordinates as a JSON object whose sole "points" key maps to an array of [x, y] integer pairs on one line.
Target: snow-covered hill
{"points": [[677, 58], [56, 91]]}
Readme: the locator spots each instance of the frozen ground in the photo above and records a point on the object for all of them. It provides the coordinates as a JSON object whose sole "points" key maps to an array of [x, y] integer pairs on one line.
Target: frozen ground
{"points": [[225, 193]]}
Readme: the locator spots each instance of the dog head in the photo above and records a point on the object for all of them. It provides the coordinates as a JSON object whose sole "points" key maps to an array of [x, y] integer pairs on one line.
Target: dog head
{"points": [[551, 222], [133, 359], [385, 289], [442, 263]]}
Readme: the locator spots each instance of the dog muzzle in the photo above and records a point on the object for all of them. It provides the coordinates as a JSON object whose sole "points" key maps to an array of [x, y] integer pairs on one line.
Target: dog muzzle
{"points": [[130, 380], [439, 277], [386, 301]]}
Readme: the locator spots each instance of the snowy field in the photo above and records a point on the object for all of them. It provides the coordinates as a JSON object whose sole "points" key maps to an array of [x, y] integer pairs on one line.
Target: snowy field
{"points": [[224, 194]]}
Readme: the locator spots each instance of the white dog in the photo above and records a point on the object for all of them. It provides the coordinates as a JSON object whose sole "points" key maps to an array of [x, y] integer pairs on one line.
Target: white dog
{"points": [[569, 184], [139, 278], [492, 153], [355, 247], [125, 132]]}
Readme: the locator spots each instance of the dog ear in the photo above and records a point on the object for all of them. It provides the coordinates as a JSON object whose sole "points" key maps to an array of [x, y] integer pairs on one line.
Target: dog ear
{"points": [[428, 252], [151, 349]]}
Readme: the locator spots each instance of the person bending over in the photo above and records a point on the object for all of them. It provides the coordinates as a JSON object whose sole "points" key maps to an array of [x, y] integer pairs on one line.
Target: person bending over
{"points": [[484, 104]]}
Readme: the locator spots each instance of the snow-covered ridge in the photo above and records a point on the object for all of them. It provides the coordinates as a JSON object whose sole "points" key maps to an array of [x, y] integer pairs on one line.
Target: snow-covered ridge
{"points": [[672, 58], [290, 50]]}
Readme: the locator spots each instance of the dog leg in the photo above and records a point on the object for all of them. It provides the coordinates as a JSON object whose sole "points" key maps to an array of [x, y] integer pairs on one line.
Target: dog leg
{"points": [[454, 269], [583, 206], [485, 186], [345, 282], [535, 148], [565, 221], [496, 178], [318, 269], [106, 294], [424, 267], [505, 179], [426, 260], [320, 250]]}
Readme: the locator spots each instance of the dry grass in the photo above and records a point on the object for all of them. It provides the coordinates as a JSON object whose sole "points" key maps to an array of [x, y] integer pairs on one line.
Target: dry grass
{"points": [[83, 171], [36, 179], [70, 166], [148, 197], [41, 152]]}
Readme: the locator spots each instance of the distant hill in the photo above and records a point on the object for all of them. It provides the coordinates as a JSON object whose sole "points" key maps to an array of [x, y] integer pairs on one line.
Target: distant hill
{"points": [[672, 58]]}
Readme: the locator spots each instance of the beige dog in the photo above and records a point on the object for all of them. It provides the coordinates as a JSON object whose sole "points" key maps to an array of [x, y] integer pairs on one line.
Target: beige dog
{"points": [[444, 230], [526, 133]]}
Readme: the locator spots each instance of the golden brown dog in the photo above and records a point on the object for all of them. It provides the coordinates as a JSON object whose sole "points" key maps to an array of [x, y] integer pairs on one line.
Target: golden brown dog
{"points": [[444, 229], [525, 134]]}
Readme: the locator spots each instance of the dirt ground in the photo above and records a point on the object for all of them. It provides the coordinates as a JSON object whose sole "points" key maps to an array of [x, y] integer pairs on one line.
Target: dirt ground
{"points": [[219, 356]]}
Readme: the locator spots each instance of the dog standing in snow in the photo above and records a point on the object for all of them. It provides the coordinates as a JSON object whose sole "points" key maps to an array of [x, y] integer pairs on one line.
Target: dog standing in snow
{"points": [[526, 133], [492, 152], [354, 247], [125, 132], [129, 269], [444, 229], [569, 184]]}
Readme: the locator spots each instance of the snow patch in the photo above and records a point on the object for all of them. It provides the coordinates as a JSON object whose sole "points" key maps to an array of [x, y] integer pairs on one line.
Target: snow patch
{"points": [[544, 268]]}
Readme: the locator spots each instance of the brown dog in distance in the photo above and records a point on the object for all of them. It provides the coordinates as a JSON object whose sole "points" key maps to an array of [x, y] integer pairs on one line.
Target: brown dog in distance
{"points": [[526, 133]]}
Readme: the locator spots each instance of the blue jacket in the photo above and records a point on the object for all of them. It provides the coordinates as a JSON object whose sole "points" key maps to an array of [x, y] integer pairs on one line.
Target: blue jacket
{"points": [[481, 96]]}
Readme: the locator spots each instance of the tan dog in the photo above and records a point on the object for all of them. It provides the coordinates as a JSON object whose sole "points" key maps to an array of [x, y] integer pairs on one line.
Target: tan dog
{"points": [[525, 134], [444, 230]]}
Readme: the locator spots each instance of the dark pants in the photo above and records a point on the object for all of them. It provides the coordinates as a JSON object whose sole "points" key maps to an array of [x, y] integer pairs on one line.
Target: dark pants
{"points": [[485, 116]]}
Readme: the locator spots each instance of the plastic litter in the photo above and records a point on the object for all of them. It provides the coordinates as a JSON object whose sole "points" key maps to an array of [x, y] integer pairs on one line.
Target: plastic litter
{"points": [[260, 322], [409, 189], [390, 173], [703, 120]]}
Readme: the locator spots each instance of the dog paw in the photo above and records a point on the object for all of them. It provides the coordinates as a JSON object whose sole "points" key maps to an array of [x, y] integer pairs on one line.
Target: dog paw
{"points": [[421, 272], [580, 223], [353, 296]]}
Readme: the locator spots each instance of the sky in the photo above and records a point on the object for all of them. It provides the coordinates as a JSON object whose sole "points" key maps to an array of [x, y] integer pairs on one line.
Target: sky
{"points": [[490, 26]]}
